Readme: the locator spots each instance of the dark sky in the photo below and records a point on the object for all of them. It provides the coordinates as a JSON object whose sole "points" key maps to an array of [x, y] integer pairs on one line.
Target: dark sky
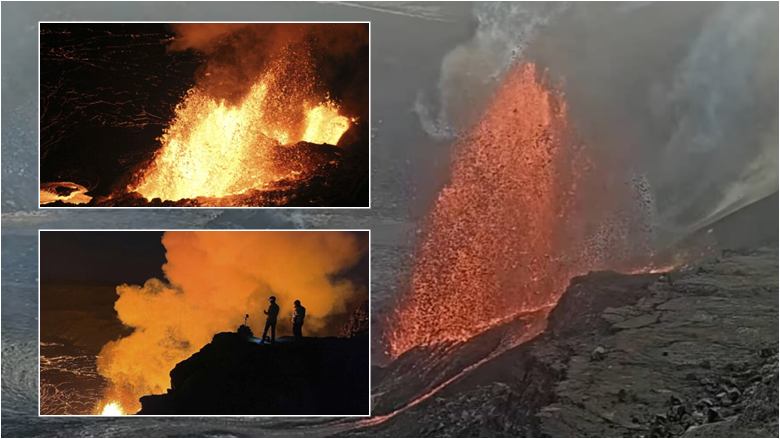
{"points": [[107, 91], [101, 257], [125, 257]]}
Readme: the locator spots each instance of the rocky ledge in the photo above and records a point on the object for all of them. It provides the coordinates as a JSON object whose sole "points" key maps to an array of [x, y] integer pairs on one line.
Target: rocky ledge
{"points": [[233, 375], [688, 353]]}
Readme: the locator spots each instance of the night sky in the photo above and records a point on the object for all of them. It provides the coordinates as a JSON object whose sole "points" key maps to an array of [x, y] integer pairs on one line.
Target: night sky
{"points": [[101, 257], [107, 91], [118, 257]]}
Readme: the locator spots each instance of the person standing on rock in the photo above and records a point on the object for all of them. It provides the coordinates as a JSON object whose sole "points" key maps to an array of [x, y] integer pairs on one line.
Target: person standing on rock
{"points": [[270, 319], [299, 314]]}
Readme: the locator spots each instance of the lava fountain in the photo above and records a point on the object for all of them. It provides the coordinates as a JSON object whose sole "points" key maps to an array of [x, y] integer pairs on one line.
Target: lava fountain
{"points": [[515, 223], [215, 147]]}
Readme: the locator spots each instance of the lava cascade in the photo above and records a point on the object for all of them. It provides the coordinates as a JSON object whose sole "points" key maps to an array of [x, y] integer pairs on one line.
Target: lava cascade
{"points": [[215, 147], [521, 215]]}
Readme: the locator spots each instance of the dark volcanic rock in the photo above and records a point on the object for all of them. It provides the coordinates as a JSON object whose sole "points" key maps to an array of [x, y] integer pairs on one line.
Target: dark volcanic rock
{"points": [[232, 376], [317, 175], [689, 353]]}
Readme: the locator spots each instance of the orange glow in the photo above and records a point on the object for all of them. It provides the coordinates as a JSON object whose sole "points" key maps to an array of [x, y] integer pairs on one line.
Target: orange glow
{"points": [[76, 193], [523, 213], [212, 280], [217, 148], [324, 124], [489, 248], [112, 408], [655, 269]]}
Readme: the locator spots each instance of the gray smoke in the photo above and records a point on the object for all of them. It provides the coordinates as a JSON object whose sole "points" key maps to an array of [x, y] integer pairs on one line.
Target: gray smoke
{"points": [[721, 152], [683, 95], [471, 70]]}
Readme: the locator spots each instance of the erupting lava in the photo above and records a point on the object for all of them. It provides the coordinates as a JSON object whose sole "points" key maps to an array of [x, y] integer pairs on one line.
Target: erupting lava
{"points": [[216, 148], [516, 222], [111, 408]]}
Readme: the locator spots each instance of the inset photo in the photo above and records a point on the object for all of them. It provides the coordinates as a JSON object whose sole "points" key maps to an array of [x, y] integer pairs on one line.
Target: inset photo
{"points": [[206, 323], [204, 114]]}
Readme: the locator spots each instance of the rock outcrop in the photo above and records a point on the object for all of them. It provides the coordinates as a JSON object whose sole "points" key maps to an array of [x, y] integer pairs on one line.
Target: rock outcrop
{"points": [[688, 353], [235, 376]]}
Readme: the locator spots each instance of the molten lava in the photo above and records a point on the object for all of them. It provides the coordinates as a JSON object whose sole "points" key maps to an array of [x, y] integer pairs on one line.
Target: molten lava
{"points": [[64, 191], [112, 408], [324, 124], [520, 217], [215, 148]]}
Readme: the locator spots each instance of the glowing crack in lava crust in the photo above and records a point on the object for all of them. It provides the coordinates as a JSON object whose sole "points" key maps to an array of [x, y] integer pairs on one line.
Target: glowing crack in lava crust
{"points": [[511, 228], [216, 148]]}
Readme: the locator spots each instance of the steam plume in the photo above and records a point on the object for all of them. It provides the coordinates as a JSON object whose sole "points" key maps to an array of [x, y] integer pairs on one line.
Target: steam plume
{"points": [[472, 70], [213, 279], [684, 99]]}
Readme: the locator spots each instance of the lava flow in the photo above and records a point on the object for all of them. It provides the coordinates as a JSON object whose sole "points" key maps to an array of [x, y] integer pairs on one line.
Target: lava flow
{"points": [[64, 191], [216, 148], [523, 213]]}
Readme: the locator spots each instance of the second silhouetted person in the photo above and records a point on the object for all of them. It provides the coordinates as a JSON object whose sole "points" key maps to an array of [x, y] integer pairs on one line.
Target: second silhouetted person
{"points": [[297, 320]]}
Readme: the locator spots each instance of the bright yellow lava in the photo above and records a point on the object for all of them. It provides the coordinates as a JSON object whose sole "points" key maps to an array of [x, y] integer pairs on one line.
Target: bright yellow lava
{"points": [[77, 194], [215, 148], [324, 124], [113, 408]]}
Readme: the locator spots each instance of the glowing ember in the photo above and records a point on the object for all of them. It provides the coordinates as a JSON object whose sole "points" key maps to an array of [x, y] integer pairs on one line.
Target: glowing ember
{"points": [[112, 408], [524, 213], [215, 148]]}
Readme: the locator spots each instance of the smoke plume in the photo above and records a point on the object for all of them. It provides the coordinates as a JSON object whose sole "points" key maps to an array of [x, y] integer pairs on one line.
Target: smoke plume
{"points": [[680, 96], [212, 279], [236, 54], [472, 70]]}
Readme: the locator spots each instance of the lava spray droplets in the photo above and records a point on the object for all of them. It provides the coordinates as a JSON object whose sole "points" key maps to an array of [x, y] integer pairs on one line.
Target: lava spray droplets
{"points": [[213, 280], [262, 87], [515, 223], [216, 148]]}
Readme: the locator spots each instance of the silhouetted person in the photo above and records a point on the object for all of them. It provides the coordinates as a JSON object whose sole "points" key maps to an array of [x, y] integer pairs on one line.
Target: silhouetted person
{"points": [[299, 314], [270, 320]]}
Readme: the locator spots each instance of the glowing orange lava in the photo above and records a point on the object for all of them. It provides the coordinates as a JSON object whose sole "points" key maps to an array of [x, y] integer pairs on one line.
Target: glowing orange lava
{"points": [[324, 124], [111, 408], [516, 222], [64, 191], [216, 148]]}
